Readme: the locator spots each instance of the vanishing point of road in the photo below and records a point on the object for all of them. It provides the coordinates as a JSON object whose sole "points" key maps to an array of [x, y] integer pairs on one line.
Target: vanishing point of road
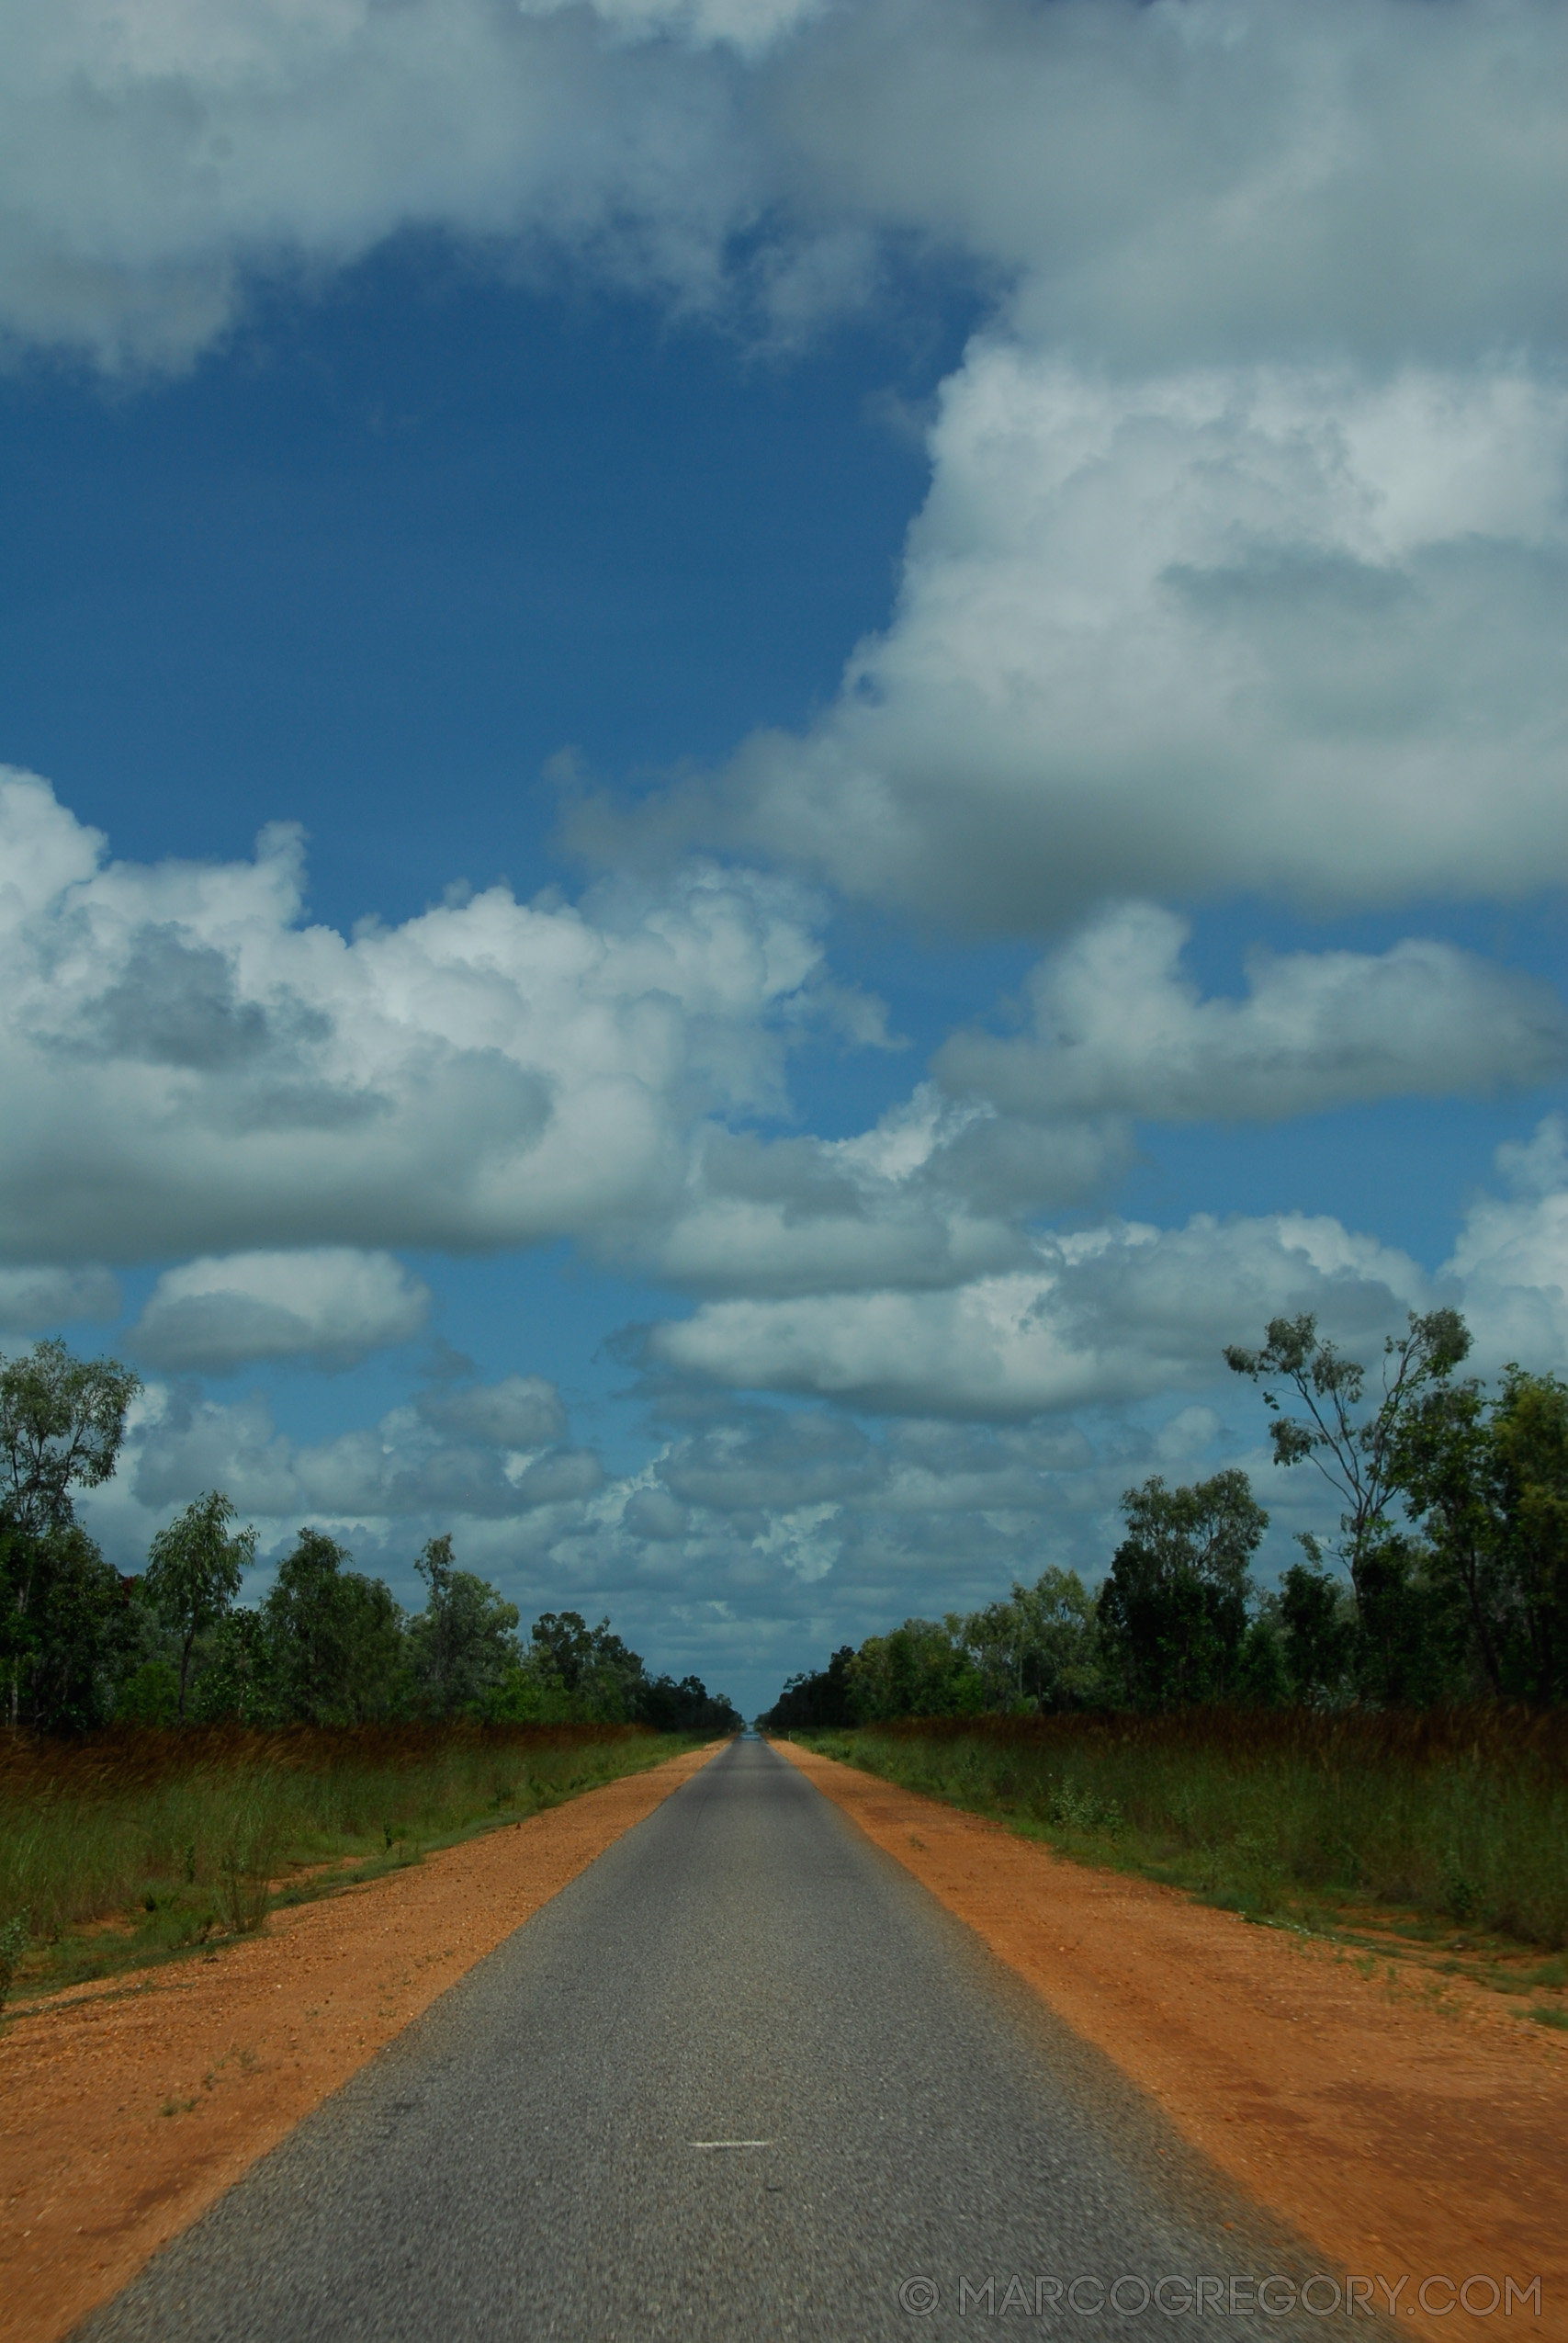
{"points": [[743, 2079]]}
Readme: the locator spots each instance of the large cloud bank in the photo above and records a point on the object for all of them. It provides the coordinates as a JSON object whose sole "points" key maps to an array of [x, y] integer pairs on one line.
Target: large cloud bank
{"points": [[1244, 562], [1289, 631], [1197, 178], [1017, 1411], [193, 1075], [188, 1066], [1129, 1311], [185, 1064]]}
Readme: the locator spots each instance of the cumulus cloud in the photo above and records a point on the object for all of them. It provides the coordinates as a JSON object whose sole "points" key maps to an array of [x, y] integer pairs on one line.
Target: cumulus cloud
{"points": [[1015, 1411], [521, 1411], [1198, 178], [155, 153], [1125, 1312], [406, 1468], [750, 1542], [1119, 1027], [1204, 178], [938, 1192], [35, 1301], [1120, 1313], [796, 1215], [1243, 565], [1511, 1260], [184, 1063], [1292, 629], [332, 1304]]}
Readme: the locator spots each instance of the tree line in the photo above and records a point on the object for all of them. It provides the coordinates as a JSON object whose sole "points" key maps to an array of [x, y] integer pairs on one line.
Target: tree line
{"points": [[1447, 1579], [82, 1646]]}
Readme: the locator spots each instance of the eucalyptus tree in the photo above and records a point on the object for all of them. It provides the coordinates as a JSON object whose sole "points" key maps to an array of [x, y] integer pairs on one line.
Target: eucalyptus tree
{"points": [[335, 1637], [194, 1571], [62, 1424], [1174, 1611], [1359, 1441], [1356, 1443], [464, 1642]]}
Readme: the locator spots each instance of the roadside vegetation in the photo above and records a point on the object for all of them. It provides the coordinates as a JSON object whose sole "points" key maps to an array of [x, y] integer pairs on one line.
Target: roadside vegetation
{"points": [[128, 1847], [175, 1758], [1457, 1819], [1385, 1727]]}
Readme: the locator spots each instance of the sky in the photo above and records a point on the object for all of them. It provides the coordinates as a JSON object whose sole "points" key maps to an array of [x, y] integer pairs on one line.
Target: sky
{"points": [[755, 754]]}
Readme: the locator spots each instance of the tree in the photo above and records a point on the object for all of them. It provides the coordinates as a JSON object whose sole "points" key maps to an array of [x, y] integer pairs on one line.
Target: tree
{"points": [[685, 1707], [240, 1678], [150, 1694], [918, 1671], [1037, 1651], [1361, 1452], [816, 1699], [1359, 1456], [1529, 1433], [62, 1422], [1173, 1612], [78, 1637], [193, 1572], [463, 1643], [336, 1637], [600, 1676], [1318, 1624], [1060, 1640], [1447, 1465]]}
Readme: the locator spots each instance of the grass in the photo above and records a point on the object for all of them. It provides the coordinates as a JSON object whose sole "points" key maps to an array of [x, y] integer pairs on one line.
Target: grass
{"points": [[133, 1847], [1393, 1831]]}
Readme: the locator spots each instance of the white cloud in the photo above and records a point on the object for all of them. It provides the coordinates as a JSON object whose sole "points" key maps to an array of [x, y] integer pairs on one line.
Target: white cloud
{"points": [[937, 1193], [1120, 1028], [1187, 1434], [183, 1064], [521, 1411], [1193, 178], [407, 1468], [1511, 1260], [801, 1541], [764, 1529], [796, 1215], [1119, 1314], [749, 26], [332, 1304], [1284, 628], [1243, 562], [156, 154], [1127, 1312]]}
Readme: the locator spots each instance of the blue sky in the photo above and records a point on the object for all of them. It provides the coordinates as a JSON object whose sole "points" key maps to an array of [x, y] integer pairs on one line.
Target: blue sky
{"points": [[756, 754]]}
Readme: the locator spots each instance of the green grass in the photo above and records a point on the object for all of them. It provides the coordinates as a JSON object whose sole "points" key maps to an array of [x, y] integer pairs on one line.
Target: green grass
{"points": [[1454, 1821], [136, 1846]]}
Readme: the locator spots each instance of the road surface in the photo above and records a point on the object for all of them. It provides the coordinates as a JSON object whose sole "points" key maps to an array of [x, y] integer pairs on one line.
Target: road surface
{"points": [[743, 2079]]}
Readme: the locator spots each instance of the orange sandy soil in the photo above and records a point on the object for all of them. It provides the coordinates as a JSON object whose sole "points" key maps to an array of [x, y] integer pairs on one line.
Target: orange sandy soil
{"points": [[126, 2109], [1406, 2135]]}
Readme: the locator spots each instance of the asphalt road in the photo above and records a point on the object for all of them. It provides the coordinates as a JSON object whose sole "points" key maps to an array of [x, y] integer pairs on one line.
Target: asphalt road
{"points": [[742, 2079]]}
